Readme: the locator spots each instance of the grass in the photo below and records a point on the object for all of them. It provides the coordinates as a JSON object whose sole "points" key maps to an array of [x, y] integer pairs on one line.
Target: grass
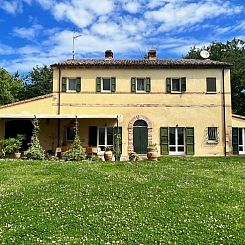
{"points": [[172, 201]]}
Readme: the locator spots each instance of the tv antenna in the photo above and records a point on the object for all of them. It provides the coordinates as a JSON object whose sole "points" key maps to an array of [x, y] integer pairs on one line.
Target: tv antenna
{"points": [[204, 54], [73, 44]]}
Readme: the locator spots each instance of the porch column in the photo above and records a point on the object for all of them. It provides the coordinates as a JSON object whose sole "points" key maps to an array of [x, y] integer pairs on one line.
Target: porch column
{"points": [[2, 128]]}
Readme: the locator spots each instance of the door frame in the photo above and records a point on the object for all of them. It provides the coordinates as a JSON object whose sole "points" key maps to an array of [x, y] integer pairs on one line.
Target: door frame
{"points": [[130, 131], [243, 141], [176, 152]]}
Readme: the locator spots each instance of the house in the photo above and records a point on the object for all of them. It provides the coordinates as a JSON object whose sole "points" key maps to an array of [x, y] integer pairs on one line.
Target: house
{"points": [[184, 106]]}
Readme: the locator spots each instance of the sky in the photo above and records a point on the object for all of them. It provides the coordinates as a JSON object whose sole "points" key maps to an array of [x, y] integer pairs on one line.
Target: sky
{"points": [[38, 32]]}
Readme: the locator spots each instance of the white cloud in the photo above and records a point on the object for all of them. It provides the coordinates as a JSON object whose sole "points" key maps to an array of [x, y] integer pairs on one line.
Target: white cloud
{"points": [[5, 49], [28, 33], [132, 6], [14, 6]]}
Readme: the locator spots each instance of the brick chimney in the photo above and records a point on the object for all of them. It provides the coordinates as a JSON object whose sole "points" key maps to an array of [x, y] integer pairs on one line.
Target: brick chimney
{"points": [[152, 54], [108, 55]]}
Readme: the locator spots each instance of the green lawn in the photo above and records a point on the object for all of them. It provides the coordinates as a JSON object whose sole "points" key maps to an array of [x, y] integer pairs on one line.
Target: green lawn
{"points": [[172, 201]]}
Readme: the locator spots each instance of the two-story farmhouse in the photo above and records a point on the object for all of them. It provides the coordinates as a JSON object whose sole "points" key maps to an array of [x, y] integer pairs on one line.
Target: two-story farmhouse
{"points": [[184, 106]]}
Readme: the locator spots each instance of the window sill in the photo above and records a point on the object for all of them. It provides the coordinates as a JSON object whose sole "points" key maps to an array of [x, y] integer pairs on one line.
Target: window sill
{"points": [[212, 142], [211, 92], [176, 92], [140, 92]]}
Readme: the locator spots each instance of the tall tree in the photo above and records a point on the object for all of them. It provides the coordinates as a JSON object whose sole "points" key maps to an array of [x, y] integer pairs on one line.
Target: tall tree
{"points": [[232, 52], [38, 82], [11, 87]]}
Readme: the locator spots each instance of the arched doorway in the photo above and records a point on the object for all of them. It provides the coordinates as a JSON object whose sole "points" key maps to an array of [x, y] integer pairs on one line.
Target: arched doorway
{"points": [[140, 136]]}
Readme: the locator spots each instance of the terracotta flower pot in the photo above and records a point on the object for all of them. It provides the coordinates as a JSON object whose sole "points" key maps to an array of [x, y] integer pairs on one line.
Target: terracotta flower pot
{"points": [[108, 155], [152, 155], [17, 154]]}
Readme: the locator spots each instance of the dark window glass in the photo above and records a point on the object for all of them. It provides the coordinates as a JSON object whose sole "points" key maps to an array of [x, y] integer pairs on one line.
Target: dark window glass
{"points": [[211, 84], [72, 84], [181, 148], [141, 123], [212, 133], [175, 84], [101, 136], [70, 133], [172, 148], [240, 136], [106, 84], [109, 136], [180, 136], [172, 136], [140, 84]]}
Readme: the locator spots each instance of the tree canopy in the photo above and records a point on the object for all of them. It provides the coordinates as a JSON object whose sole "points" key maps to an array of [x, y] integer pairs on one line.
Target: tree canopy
{"points": [[11, 87], [232, 52]]}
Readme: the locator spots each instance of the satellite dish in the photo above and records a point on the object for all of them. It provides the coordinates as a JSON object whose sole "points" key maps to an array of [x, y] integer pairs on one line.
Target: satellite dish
{"points": [[204, 54]]}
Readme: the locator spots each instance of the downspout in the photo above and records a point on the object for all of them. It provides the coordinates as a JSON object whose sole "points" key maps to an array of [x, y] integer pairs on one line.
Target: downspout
{"points": [[224, 113], [58, 127]]}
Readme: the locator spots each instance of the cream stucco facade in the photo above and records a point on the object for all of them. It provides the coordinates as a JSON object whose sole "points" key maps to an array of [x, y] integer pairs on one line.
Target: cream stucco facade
{"points": [[97, 111]]}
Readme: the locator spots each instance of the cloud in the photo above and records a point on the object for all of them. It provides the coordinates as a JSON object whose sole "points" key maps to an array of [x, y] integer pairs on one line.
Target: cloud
{"points": [[132, 6], [28, 33], [14, 6]]}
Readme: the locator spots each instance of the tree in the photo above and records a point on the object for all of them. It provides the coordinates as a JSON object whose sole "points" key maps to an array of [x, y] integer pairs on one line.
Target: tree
{"points": [[38, 82], [35, 151], [232, 52], [76, 152], [11, 87]]}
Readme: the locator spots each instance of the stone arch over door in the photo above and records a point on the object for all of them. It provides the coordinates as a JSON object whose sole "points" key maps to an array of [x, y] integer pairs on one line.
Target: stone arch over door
{"points": [[130, 131]]}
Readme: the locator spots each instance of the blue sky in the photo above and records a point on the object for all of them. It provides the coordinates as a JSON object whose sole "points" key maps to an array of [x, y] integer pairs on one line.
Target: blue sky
{"points": [[37, 32]]}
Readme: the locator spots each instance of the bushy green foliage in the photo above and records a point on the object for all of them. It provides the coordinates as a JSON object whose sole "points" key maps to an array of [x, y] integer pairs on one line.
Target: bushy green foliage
{"points": [[11, 87], [76, 152], [35, 150], [11, 145]]}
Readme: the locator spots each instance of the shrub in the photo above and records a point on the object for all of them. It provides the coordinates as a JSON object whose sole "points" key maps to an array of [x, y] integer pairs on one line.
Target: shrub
{"points": [[35, 150], [76, 152]]}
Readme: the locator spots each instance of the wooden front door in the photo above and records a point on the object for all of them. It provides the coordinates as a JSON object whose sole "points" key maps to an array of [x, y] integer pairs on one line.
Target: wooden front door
{"points": [[140, 137]]}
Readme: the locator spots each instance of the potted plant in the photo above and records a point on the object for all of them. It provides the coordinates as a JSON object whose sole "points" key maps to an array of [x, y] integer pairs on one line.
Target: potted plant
{"points": [[152, 152], [12, 145], [108, 153]]}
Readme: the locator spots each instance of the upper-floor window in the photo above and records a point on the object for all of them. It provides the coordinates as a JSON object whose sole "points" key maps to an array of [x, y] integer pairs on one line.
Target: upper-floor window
{"points": [[106, 84], [141, 84], [71, 84], [211, 84], [175, 84]]}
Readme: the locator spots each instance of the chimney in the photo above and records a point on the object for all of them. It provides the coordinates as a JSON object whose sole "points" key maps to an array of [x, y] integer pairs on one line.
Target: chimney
{"points": [[108, 55], [152, 54]]}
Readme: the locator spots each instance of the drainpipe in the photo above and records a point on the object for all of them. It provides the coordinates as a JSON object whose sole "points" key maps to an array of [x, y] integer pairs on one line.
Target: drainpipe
{"points": [[224, 113], [58, 127]]}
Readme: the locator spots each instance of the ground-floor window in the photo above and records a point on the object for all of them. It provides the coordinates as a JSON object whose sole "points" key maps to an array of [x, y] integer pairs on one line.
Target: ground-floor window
{"points": [[176, 141], [241, 140], [105, 137]]}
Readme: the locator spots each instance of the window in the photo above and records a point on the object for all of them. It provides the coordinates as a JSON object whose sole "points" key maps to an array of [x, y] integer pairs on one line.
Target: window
{"points": [[175, 84], [71, 84], [211, 84], [106, 84], [70, 133], [140, 84], [212, 134], [105, 137], [176, 141]]}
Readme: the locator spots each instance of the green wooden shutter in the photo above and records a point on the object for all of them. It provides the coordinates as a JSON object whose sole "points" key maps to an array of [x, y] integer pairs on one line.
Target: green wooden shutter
{"points": [[133, 84], [98, 84], [120, 138], [63, 89], [148, 84], [189, 141], [113, 84], [235, 141], [164, 140], [78, 87], [183, 84], [168, 85]]}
